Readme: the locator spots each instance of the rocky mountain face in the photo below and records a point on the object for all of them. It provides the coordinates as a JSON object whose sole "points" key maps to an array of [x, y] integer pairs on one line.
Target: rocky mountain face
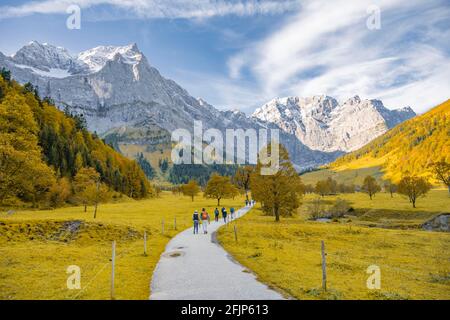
{"points": [[322, 123], [121, 94], [111, 86]]}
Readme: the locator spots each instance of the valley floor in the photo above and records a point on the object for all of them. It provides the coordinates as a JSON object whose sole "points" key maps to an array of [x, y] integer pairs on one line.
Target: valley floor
{"points": [[36, 247], [414, 264]]}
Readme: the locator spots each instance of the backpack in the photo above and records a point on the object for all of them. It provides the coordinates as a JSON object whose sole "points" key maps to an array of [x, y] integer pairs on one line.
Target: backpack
{"points": [[204, 215]]}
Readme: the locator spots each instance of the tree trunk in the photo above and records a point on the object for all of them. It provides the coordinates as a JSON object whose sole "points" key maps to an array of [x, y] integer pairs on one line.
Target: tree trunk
{"points": [[34, 201], [218, 202], [370, 195], [413, 201], [85, 208], [276, 214], [96, 199], [192, 198], [246, 193]]}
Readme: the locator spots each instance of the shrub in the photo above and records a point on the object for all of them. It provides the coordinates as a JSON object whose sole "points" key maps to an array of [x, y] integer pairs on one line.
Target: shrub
{"points": [[316, 209], [339, 209]]}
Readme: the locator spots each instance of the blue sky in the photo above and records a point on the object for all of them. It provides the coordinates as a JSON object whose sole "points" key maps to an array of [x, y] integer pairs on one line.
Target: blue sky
{"points": [[240, 54]]}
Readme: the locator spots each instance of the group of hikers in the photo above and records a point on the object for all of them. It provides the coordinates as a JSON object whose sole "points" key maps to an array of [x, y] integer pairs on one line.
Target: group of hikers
{"points": [[204, 219]]}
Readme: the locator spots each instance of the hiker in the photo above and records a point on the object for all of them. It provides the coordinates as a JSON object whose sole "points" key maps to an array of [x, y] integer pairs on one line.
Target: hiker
{"points": [[246, 202], [196, 220], [224, 215], [205, 220], [232, 213], [216, 215]]}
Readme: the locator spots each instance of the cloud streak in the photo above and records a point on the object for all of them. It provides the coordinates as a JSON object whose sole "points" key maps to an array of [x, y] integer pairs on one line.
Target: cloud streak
{"points": [[327, 49], [148, 9], [321, 47]]}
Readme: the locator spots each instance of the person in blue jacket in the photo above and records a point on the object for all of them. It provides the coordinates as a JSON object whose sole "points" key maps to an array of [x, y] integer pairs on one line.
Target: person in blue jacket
{"points": [[232, 213], [196, 219], [224, 214], [216, 215]]}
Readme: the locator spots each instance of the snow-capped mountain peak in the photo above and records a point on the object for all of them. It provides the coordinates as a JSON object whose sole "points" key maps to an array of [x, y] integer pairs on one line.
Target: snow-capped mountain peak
{"points": [[50, 61], [321, 123], [353, 100], [97, 57], [43, 56], [318, 107]]}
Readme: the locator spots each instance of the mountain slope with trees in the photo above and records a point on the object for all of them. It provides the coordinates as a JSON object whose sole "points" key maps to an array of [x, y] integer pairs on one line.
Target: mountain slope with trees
{"points": [[408, 149], [42, 149]]}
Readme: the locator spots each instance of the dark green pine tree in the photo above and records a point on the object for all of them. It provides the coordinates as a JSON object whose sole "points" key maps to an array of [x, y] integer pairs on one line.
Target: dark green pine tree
{"points": [[146, 166], [6, 74]]}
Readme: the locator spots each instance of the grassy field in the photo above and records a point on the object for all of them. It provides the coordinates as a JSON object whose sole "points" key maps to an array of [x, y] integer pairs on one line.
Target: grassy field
{"points": [[414, 264], [36, 247], [389, 212], [346, 176]]}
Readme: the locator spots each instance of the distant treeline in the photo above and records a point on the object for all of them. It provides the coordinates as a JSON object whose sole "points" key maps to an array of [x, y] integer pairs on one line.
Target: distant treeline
{"points": [[183, 173]]}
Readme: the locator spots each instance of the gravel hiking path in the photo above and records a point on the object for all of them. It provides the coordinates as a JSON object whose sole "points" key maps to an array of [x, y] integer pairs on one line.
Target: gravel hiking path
{"points": [[196, 267]]}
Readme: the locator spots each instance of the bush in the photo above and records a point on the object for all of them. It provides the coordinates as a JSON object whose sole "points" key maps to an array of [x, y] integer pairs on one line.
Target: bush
{"points": [[316, 209], [339, 209]]}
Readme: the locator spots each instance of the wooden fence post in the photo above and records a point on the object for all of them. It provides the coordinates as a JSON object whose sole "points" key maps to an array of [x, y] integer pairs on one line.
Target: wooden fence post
{"points": [[145, 243], [113, 266], [175, 223], [162, 226], [324, 267], [235, 233]]}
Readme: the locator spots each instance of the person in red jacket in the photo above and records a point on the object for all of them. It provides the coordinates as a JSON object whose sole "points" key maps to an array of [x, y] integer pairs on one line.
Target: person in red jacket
{"points": [[205, 220]]}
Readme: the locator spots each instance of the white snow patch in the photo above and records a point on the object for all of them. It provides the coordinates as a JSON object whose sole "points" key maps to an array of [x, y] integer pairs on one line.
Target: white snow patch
{"points": [[97, 57], [53, 73]]}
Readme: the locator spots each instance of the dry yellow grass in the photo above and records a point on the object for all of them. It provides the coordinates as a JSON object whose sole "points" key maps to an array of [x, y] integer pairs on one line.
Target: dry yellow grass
{"points": [[414, 264], [35, 254]]}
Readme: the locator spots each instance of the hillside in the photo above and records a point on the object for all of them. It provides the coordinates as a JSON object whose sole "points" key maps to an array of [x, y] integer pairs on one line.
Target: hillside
{"points": [[42, 149], [347, 177], [409, 147]]}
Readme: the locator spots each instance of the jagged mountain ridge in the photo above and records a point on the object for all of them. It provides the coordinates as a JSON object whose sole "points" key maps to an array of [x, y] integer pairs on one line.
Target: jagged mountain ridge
{"points": [[117, 89], [322, 123], [109, 88]]}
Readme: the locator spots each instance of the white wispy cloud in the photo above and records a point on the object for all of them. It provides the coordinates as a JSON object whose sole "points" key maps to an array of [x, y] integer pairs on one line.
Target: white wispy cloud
{"points": [[187, 9], [327, 49], [323, 47]]}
